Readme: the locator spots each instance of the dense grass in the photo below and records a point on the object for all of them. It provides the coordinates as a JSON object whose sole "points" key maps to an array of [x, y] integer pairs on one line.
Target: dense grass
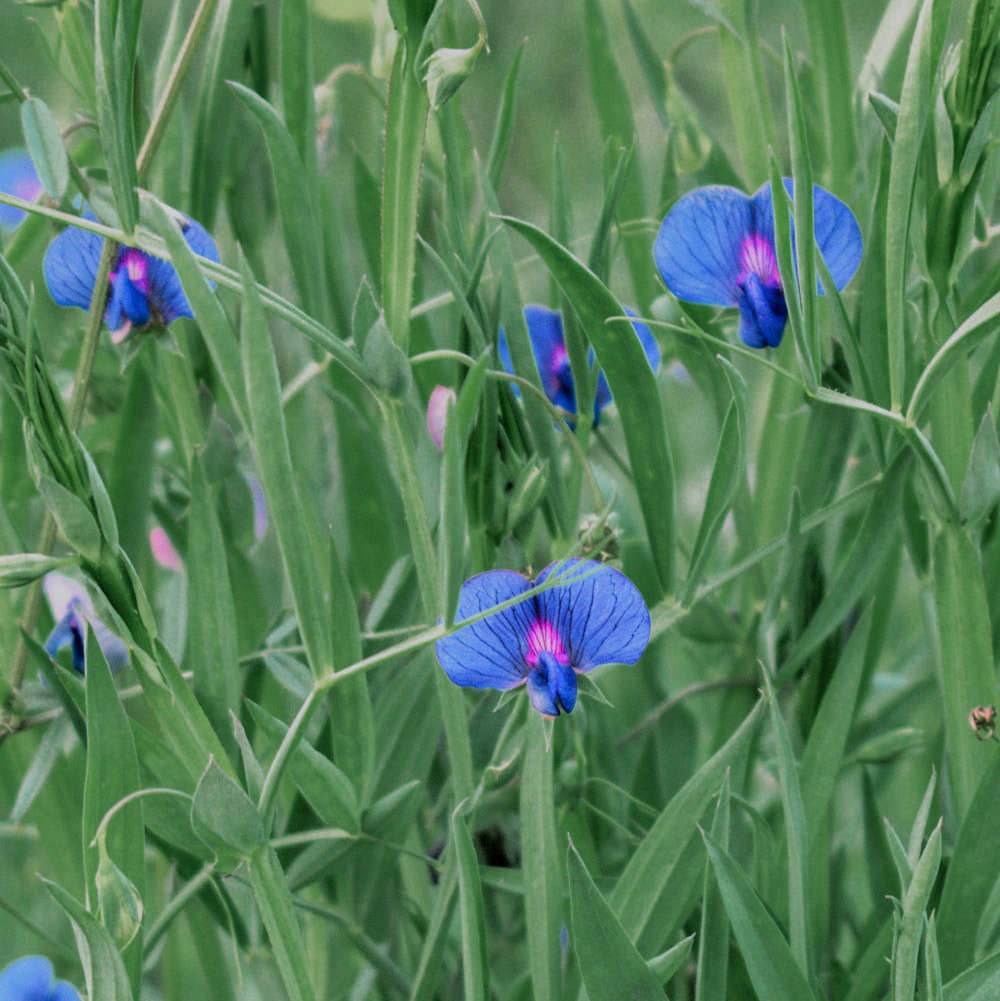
{"points": [[283, 794]]}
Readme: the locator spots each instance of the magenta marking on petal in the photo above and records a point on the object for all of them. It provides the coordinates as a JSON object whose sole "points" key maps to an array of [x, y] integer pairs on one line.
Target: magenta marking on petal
{"points": [[544, 636], [136, 263], [757, 258]]}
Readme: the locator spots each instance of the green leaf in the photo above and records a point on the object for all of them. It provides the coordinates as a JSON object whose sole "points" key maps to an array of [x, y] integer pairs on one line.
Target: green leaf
{"points": [[887, 111], [969, 334], [353, 722], [795, 833], [981, 489], [824, 750], [713, 939], [102, 966], [977, 983], [212, 645], [215, 115], [610, 964], [405, 129], [113, 60], [913, 108], [911, 920], [74, 518], [270, 442], [451, 521], [472, 920], [225, 818], [967, 676], [112, 774], [297, 80], [727, 475], [668, 963], [296, 205], [614, 111], [540, 863], [215, 327], [970, 878], [274, 901], [44, 142], [638, 892], [859, 570], [326, 788], [803, 211], [650, 62], [772, 968], [23, 568], [633, 387], [503, 131]]}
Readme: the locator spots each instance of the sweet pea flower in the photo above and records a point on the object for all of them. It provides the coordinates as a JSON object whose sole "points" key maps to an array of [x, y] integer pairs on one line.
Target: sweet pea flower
{"points": [[594, 616], [549, 346], [71, 607], [144, 290], [716, 247], [17, 177], [32, 978]]}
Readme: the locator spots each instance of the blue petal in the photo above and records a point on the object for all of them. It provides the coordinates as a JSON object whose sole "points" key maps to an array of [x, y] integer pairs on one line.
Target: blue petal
{"points": [[27, 979], [65, 992], [503, 349], [70, 266], [165, 291], [17, 177], [602, 396], [837, 232], [489, 653], [763, 314], [599, 614], [68, 632], [542, 697], [552, 685], [698, 247]]}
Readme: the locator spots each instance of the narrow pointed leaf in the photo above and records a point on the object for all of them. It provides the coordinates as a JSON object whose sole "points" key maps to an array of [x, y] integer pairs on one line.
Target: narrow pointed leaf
{"points": [[611, 965], [773, 970]]}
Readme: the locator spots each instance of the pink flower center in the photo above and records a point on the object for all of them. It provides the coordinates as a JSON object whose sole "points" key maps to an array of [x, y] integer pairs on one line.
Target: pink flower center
{"points": [[543, 636], [757, 258], [134, 262]]}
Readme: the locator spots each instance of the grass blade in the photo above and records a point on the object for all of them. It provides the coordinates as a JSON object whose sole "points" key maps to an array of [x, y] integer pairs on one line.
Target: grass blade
{"points": [[611, 965]]}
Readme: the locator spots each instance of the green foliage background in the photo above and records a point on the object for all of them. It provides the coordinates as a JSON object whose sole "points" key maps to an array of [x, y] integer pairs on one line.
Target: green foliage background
{"points": [[283, 795]]}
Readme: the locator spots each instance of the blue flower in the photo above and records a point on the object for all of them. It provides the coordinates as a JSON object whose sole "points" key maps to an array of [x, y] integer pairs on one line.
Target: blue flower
{"points": [[145, 290], [17, 177], [549, 347], [32, 978], [72, 607], [595, 616], [716, 247]]}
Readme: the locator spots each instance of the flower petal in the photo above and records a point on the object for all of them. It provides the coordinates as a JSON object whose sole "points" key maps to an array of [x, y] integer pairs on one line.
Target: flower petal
{"points": [[599, 614], [18, 177], [64, 992], [837, 232], [437, 413], [165, 291], [71, 265], [698, 247], [27, 979], [546, 332], [489, 653]]}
